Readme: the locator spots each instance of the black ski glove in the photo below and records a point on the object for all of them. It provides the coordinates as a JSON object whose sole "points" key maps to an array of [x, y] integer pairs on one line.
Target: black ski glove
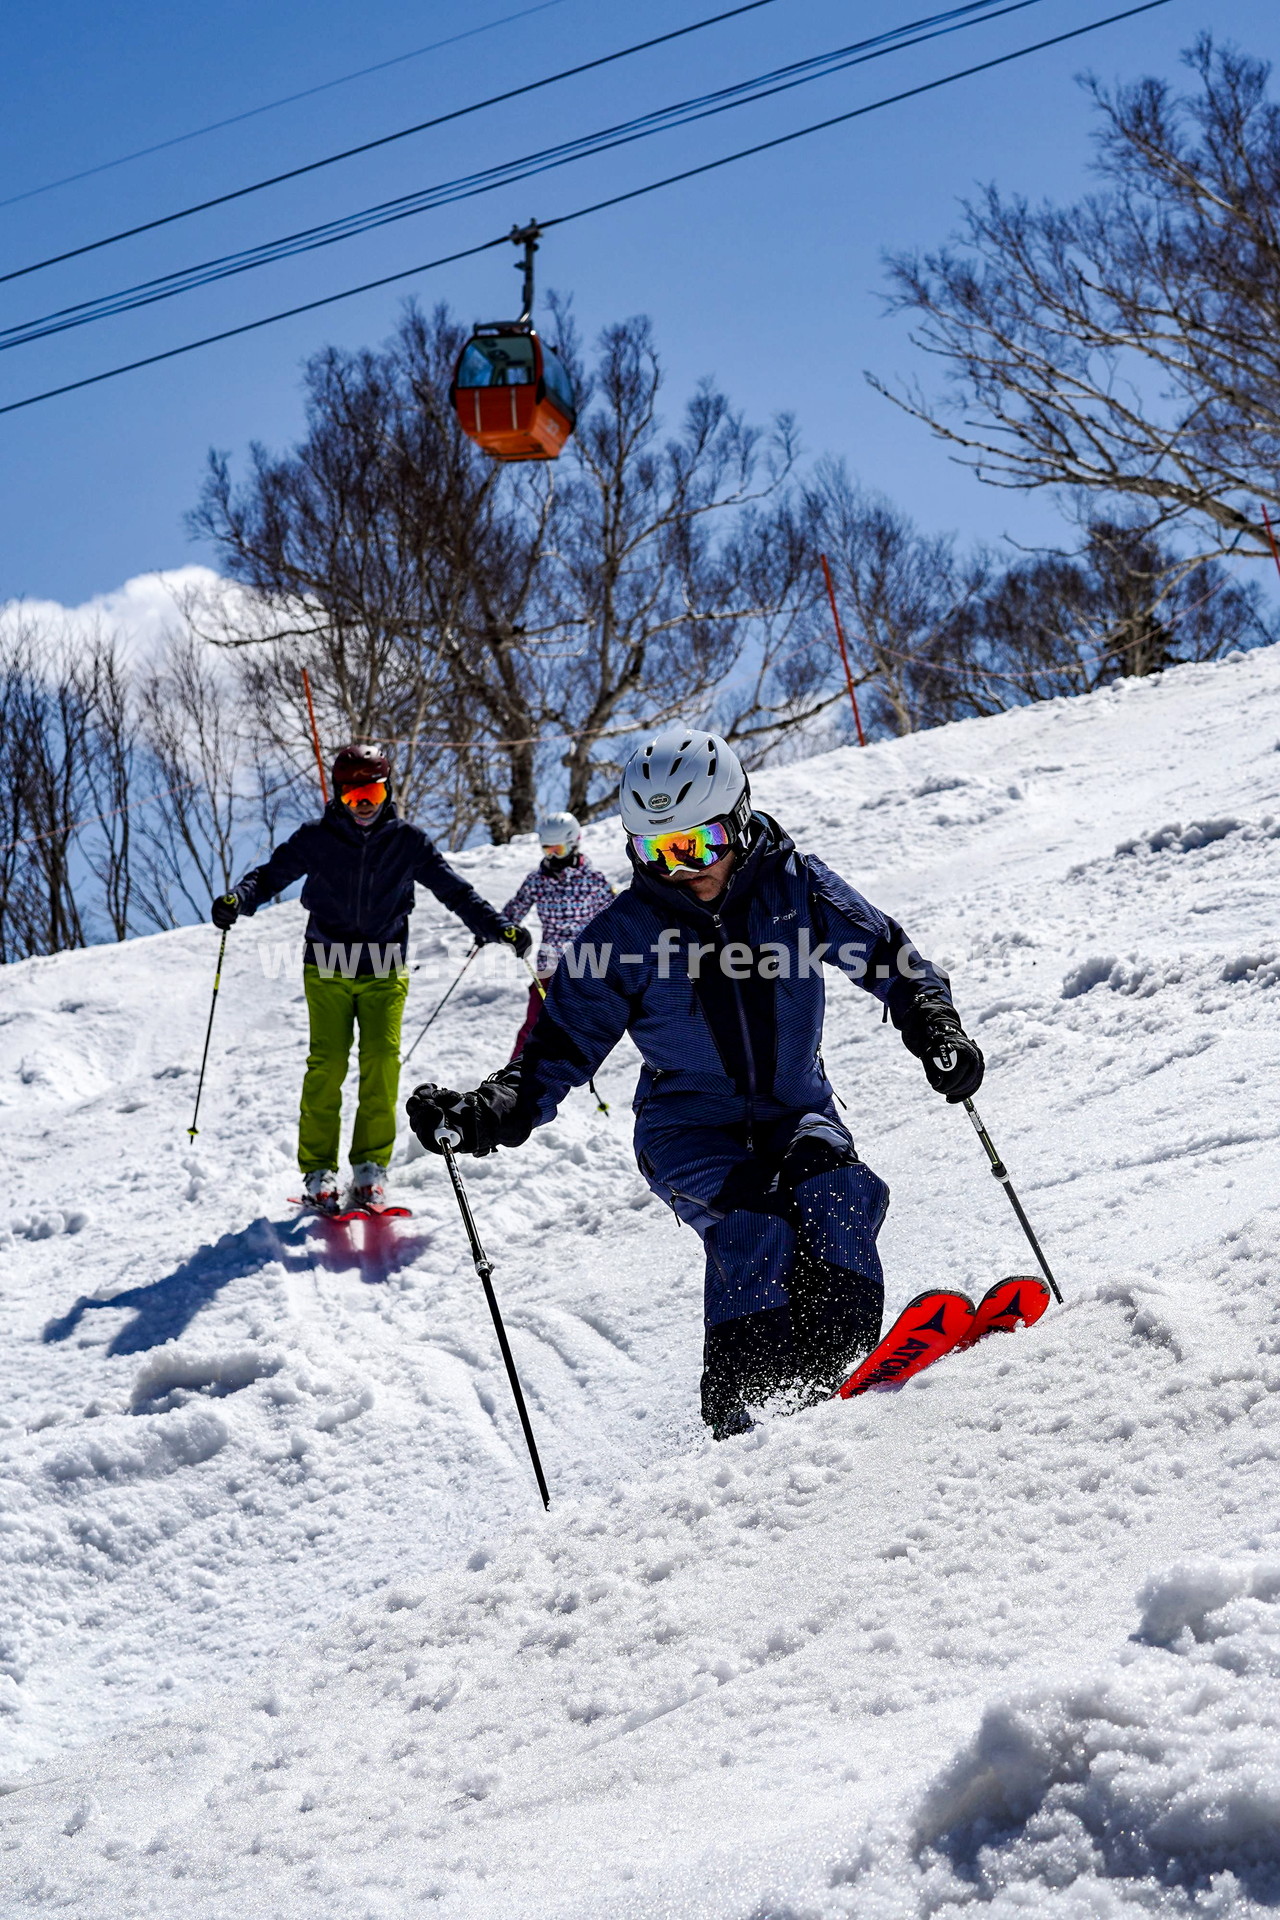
{"points": [[520, 938], [953, 1063], [483, 1120], [430, 1107], [225, 911]]}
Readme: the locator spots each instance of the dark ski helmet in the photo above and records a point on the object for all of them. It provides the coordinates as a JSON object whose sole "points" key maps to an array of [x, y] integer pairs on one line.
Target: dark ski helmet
{"points": [[358, 765]]}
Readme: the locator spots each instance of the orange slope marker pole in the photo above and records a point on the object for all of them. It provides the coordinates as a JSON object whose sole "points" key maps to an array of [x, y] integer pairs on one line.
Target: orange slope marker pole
{"points": [[844, 651], [315, 735], [1275, 551]]}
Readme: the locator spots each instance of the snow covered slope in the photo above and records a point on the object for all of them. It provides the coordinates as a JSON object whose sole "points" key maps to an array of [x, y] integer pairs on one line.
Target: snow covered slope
{"points": [[1009, 1637]]}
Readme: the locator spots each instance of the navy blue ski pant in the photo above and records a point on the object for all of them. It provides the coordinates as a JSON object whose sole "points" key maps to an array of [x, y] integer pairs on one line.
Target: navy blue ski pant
{"points": [[794, 1292]]}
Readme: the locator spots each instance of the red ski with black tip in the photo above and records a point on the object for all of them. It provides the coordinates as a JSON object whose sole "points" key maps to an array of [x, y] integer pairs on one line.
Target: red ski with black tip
{"points": [[930, 1326], [940, 1322], [1010, 1304]]}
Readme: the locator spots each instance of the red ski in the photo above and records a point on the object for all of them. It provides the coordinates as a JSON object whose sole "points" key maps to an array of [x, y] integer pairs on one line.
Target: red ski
{"points": [[372, 1213], [1010, 1304], [939, 1322], [354, 1213], [930, 1326]]}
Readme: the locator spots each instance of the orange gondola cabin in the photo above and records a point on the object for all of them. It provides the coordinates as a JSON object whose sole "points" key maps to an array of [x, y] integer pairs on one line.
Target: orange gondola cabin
{"points": [[511, 394]]}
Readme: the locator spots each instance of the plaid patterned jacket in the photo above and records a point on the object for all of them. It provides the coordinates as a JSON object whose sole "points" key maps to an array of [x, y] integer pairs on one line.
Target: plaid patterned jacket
{"points": [[566, 903]]}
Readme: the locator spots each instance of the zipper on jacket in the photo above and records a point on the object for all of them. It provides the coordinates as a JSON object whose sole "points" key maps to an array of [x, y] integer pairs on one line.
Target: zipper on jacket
{"points": [[360, 886], [747, 1050]]}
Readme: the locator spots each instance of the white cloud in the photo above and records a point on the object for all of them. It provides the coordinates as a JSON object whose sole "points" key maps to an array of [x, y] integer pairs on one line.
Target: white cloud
{"points": [[141, 612]]}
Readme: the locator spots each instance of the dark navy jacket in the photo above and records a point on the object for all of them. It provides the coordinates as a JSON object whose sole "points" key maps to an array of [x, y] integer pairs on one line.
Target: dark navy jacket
{"points": [[718, 1049], [359, 887]]}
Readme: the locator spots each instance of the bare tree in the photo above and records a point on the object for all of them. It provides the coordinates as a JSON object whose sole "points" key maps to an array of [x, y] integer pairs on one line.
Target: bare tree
{"points": [[1128, 345], [15, 827], [51, 750], [788, 678], [478, 616], [365, 550], [647, 570], [1125, 606], [107, 839], [214, 800], [47, 747]]}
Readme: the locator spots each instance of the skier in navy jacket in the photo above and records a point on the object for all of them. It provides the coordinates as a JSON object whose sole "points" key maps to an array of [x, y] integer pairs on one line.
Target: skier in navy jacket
{"points": [[360, 861], [712, 961]]}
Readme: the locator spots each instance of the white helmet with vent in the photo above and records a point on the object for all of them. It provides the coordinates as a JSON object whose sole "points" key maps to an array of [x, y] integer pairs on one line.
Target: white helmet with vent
{"points": [[559, 830], [683, 778]]}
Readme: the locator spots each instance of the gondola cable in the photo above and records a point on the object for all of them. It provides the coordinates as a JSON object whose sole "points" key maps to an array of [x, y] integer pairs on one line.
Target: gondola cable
{"points": [[581, 213], [383, 140], [273, 106], [682, 113]]}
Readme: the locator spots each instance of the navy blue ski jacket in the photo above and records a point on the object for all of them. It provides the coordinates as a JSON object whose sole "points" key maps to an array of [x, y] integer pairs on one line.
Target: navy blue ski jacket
{"points": [[359, 887], [724, 1002]]}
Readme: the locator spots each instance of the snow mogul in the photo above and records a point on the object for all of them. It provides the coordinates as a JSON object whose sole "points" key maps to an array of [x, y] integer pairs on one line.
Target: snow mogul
{"points": [[360, 861], [712, 960], [568, 893]]}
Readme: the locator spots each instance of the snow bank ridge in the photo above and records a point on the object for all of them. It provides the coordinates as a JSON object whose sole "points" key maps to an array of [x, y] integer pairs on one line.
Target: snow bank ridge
{"points": [[172, 1441], [1150, 1770]]}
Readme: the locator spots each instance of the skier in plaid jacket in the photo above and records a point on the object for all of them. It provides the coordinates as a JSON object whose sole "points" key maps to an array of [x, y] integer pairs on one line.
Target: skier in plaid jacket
{"points": [[568, 893]]}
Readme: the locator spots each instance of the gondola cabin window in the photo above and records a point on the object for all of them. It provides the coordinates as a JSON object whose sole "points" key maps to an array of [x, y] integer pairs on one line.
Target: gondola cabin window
{"points": [[507, 361]]}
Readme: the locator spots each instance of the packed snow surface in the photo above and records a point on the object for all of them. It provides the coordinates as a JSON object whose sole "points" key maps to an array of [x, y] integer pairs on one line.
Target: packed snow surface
{"points": [[285, 1630]]}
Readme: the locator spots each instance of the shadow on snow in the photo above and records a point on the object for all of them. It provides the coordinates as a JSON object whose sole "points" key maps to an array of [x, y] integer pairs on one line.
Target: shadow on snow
{"points": [[165, 1308]]}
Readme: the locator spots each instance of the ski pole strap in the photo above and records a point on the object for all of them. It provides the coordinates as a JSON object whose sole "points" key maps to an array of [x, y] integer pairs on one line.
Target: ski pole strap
{"points": [[1001, 1173]]}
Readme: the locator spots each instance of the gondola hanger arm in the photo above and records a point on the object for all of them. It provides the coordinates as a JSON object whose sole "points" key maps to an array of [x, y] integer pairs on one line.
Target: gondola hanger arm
{"points": [[528, 238]]}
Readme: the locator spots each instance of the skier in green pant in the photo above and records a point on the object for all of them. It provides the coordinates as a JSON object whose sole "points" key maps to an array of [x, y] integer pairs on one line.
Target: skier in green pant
{"points": [[360, 860]]}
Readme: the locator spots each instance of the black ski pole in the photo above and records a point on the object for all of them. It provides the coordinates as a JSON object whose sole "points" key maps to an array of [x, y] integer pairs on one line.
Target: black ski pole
{"points": [[192, 1130], [1001, 1173], [602, 1105], [447, 1140], [440, 1006]]}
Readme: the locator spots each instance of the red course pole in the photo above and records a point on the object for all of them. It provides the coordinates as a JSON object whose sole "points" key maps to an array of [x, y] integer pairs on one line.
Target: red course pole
{"points": [[844, 651], [1275, 551], [315, 735]]}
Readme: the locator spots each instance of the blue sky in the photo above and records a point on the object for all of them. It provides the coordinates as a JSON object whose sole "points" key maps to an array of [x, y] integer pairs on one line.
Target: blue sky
{"points": [[767, 275]]}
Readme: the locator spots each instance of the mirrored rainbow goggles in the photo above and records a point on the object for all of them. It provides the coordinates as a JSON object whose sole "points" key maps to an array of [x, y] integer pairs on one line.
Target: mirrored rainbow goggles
{"points": [[683, 849]]}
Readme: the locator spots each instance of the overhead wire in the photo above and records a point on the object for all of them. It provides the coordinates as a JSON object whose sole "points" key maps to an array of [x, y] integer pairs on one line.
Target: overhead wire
{"points": [[643, 126], [383, 140], [272, 106], [581, 213]]}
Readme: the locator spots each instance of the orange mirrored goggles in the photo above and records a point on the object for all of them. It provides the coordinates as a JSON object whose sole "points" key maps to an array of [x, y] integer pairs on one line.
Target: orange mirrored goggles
{"points": [[375, 792]]}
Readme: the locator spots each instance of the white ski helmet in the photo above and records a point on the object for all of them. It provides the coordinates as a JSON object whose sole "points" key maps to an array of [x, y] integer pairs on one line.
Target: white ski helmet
{"points": [[684, 779], [559, 830]]}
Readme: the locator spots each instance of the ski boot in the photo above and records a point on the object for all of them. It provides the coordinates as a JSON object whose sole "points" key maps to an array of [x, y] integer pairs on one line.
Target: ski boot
{"points": [[368, 1188], [320, 1191]]}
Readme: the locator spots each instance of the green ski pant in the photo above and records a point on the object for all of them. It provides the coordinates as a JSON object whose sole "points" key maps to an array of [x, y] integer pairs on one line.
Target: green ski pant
{"points": [[336, 1007]]}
